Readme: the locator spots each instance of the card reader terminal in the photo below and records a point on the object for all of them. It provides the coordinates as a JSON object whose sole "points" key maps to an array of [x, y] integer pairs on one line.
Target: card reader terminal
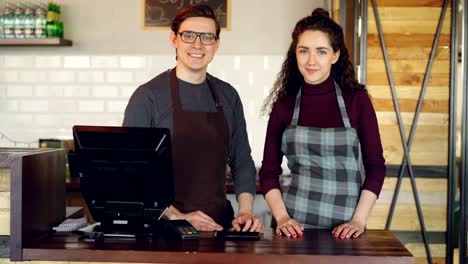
{"points": [[180, 229]]}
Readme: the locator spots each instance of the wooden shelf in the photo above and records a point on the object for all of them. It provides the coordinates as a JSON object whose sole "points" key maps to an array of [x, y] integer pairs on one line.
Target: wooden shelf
{"points": [[35, 42]]}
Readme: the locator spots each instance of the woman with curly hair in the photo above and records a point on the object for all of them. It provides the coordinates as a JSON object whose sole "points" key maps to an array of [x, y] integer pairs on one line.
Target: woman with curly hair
{"points": [[323, 121]]}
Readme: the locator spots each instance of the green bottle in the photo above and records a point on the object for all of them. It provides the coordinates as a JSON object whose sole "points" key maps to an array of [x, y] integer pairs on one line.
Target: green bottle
{"points": [[59, 22], [51, 21]]}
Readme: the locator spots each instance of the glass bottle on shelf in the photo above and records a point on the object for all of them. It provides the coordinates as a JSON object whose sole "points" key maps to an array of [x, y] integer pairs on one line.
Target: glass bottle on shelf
{"points": [[40, 25], [8, 23], [29, 22], [19, 22], [1, 24]]}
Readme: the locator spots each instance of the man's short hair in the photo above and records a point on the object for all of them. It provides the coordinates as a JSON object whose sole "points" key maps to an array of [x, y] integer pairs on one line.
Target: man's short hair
{"points": [[197, 10]]}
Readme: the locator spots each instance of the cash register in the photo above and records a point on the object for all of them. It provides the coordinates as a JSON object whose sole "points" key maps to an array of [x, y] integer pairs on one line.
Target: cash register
{"points": [[127, 182]]}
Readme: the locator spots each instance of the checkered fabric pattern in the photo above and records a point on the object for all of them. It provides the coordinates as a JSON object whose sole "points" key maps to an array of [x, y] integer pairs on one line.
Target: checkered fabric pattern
{"points": [[325, 170]]}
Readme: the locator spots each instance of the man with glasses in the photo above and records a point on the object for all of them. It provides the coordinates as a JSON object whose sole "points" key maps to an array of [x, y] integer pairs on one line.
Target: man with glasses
{"points": [[207, 123]]}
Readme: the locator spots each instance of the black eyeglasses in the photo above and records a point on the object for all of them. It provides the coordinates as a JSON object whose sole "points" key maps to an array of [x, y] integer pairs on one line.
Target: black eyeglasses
{"points": [[191, 36]]}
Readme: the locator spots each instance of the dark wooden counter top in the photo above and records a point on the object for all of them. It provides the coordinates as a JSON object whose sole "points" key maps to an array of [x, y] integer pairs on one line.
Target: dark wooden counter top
{"points": [[375, 246]]}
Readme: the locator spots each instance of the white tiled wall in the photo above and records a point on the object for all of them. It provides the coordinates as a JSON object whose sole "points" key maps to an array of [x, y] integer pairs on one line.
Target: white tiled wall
{"points": [[44, 96]]}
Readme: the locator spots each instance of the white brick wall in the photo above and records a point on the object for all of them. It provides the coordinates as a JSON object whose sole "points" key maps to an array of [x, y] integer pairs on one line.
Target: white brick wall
{"points": [[19, 91], [119, 77], [9, 106], [33, 76], [91, 77], [48, 121], [18, 62], [105, 91], [77, 62], [44, 62], [9, 76], [44, 96], [125, 91], [61, 76], [76, 91], [63, 106], [48, 91], [132, 62], [116, 106], [102, 62], [95, 106], [3, 90], [34, 106]]}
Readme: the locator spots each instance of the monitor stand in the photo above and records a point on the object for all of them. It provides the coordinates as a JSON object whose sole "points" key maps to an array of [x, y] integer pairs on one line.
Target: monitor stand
{"points": [[126, 220]]}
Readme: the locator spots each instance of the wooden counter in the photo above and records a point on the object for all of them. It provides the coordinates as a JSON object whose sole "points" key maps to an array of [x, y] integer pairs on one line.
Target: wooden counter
{"points": [[34, 180], [37, 204], [375, 246]]}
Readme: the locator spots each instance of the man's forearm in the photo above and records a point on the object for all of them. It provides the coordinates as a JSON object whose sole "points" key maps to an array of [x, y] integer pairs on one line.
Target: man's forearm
{"points": [[173, 213], [245, 203]]}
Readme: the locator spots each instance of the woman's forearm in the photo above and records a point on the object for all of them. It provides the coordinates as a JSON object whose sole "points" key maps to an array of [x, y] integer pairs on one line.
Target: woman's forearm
{"points": [[276, 203], [364, 207]]}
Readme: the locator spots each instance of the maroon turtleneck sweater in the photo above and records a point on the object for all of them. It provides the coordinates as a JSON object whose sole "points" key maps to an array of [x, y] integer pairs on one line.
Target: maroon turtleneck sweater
{"points": [[319, 108]]}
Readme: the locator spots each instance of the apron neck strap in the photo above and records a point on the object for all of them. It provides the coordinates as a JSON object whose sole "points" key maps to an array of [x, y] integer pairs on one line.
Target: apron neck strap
{"points": [[342, 106], [175, 91]]}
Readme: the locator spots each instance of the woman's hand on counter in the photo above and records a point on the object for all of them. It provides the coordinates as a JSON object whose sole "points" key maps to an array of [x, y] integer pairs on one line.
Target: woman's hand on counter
{"points": [[289, 227], [353, 228], [357, 225], [247, 222]]}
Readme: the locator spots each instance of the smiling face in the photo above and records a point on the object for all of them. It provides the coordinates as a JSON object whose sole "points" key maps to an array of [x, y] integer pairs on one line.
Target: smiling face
{"points": [[194, 58], [315, 56]]}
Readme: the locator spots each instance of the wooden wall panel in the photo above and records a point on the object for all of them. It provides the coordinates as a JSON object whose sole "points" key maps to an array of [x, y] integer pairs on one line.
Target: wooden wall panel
{"points": [[408, 3], [409, 66], [409, 26], [409, 105], [410, 79], [405, 13], [401, 40], [407, 219], [425, 119], [407, 53], [427, 185], [408, 92], [429, 146], [4, 180], [4, 201]]}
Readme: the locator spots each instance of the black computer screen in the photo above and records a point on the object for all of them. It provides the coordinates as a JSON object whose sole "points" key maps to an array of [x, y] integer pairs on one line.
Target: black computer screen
{"points": [[120, 167]]}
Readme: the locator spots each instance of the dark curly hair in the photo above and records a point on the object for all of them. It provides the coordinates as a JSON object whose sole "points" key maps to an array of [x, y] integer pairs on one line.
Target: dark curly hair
{"points": [[290, 79]]}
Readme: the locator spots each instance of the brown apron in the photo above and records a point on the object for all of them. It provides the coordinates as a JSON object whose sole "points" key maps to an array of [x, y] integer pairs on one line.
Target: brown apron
{"points": [[200, 151]]}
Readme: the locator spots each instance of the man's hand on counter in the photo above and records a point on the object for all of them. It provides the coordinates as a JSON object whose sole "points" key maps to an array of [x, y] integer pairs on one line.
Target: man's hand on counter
{"points": [[198, 219], [245, 220]]}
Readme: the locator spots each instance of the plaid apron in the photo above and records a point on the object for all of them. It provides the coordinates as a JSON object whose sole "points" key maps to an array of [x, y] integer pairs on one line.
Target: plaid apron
{"points": [[326, 173]]}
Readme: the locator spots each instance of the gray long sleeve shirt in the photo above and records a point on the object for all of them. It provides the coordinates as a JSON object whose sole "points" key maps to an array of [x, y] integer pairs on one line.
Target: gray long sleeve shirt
{"points": [[151, 106]]}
